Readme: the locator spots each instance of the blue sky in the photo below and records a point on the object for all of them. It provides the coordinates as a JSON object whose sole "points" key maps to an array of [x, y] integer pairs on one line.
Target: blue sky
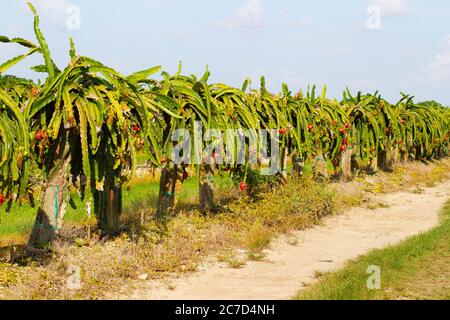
{"points": [[298, 42]]}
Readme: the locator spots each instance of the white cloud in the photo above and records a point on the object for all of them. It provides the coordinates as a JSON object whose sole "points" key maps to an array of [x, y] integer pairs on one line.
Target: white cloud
{"points": [[392, 7], [250, 18], [54, 10], [436, 73]]}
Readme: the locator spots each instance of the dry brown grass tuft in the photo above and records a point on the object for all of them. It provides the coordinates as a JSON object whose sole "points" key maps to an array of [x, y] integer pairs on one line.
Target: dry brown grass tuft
{"points": [[258, 239]]}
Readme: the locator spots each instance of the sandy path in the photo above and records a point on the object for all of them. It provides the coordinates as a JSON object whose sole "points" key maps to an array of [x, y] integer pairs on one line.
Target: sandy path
{"points": [[323, 248]]}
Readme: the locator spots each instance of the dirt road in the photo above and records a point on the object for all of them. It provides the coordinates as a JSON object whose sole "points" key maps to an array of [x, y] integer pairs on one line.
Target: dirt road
{"points": [[292, 262]]}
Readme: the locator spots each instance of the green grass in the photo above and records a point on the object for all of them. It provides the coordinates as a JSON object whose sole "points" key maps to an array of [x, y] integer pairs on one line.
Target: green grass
{"points": [[418, 268], [18, 221], [15, 225]]}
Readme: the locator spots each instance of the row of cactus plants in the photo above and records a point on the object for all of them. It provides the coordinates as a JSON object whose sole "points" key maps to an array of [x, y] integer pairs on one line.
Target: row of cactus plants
{"points": [[83, 126]]}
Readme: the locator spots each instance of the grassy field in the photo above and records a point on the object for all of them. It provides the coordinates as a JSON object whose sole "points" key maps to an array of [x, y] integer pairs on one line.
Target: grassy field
{"points": [[418, 268]]}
